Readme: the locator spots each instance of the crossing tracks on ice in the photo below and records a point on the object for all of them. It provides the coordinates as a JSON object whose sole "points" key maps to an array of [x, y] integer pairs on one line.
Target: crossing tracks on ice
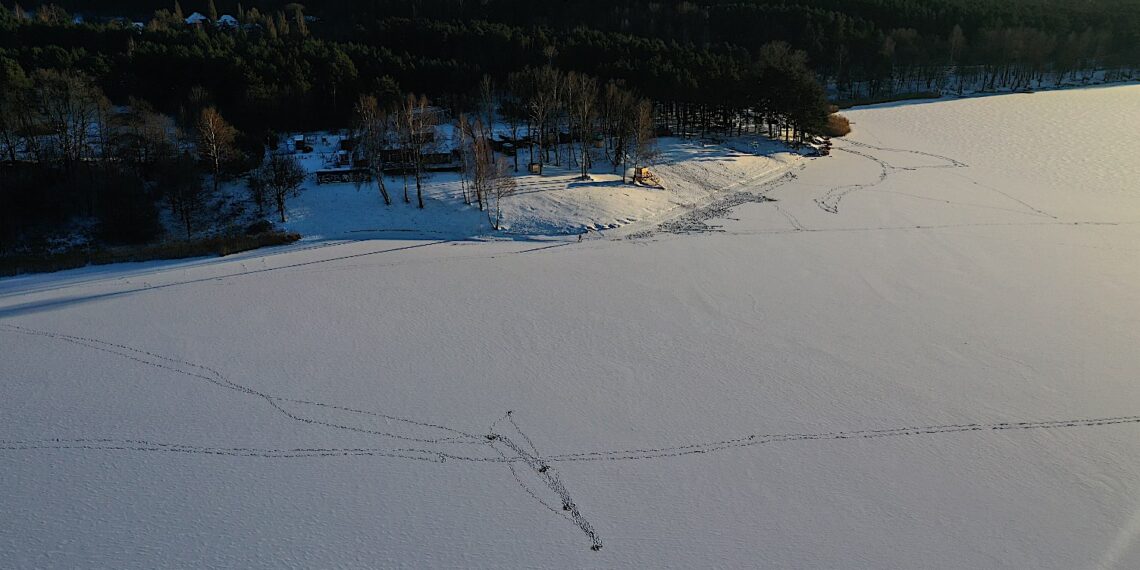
{"points": [[503, 443]]}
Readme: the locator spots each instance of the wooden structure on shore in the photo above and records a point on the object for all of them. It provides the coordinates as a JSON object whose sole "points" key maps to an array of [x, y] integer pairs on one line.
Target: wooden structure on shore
{"points": [[343, 175]]}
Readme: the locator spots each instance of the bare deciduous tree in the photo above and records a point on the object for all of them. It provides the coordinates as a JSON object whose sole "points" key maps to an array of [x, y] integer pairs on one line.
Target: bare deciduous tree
{"points": [[258, 191], [487, 103], [546, 85], [282, 176], [513, 112], [644, 139], [465, 144], [477, 160], [403, 122], [215, 141], [150, 138], [619, 105], [373, 138], [417, 121], [70, 106], [583, 106], [15, 107], [500, 185], [181, 182]]}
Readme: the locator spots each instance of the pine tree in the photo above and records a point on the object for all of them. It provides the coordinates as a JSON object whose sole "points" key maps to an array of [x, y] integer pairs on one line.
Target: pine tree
{"points": [[213, 12]]}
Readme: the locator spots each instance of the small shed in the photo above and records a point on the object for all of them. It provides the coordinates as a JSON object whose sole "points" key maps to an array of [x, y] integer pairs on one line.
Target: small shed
{"points": [[343, 176], [534, 168], [197, 19]]}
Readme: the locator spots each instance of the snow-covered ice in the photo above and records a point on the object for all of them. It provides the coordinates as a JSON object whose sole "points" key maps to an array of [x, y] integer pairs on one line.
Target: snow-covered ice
{"points": [[920, 352]]}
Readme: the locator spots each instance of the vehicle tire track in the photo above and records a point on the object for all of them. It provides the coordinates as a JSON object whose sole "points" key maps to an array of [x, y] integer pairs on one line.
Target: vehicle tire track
{"points": [[830, 200]]}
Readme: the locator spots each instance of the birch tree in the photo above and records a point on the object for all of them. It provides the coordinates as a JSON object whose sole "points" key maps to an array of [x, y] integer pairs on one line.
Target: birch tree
{"points": [[419, 122], [215, 141], [373, 138], [583, 107], [500, 185]]}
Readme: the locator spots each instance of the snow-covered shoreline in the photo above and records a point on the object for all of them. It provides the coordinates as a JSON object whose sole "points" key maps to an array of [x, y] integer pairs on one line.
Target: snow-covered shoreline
{"points": [[556, 204]]}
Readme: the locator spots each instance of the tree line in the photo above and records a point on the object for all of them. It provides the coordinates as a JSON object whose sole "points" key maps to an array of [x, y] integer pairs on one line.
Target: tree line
{"points": [[869, 44], [72, 158], [288, 67], [563, 76], [311, 80]]}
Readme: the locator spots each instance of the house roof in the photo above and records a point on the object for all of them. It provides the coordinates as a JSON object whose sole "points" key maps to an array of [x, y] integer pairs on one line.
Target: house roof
{"points": [[227, 20], [197, 18]]}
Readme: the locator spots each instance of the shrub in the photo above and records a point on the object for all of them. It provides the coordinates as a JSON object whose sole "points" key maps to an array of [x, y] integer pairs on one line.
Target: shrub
{"points": [[219, 245], [127, 214], [837, 126], [259, 227]]}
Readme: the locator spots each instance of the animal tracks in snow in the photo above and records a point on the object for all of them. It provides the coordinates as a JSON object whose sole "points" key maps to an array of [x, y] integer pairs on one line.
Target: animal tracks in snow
{"points": [[503, 443]]}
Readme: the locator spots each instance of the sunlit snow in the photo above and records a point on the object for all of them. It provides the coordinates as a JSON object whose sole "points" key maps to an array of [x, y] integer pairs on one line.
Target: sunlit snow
{"points": [[919, 352]]}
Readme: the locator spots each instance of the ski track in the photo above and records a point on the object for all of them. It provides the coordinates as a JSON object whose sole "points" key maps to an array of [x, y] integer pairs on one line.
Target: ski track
{"points": [[499, 445]]}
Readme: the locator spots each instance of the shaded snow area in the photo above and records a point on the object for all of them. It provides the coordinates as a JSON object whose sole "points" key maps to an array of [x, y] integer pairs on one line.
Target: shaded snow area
{"points": [[557, 203], [919, 352]]}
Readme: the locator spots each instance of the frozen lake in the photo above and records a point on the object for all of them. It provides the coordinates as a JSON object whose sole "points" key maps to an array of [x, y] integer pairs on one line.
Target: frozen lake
{"points": [[921, 352]]}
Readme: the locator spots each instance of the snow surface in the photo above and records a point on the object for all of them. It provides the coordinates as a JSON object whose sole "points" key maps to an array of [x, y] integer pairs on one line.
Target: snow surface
{"points": [[919, 353], [557, 203]]}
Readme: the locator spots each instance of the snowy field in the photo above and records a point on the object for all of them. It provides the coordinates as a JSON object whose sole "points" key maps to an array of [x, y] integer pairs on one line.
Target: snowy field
{"points": [[920, 352]]}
